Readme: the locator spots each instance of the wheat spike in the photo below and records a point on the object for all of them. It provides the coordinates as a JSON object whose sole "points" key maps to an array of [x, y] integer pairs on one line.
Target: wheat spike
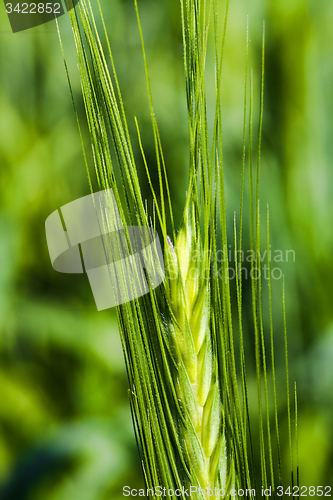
{"points": [[196, 379], [178, 341]]}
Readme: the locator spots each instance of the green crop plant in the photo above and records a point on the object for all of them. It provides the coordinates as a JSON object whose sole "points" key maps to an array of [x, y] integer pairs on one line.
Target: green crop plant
{"points": [[187, 381]]}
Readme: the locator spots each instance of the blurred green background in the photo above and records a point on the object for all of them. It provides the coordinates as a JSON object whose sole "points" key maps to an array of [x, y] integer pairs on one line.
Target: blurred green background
{"points": [[65, 426]]}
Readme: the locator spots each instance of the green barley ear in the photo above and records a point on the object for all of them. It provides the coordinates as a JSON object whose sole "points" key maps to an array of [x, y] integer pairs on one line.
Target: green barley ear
{"points": [[189, 402], [195, 374]]}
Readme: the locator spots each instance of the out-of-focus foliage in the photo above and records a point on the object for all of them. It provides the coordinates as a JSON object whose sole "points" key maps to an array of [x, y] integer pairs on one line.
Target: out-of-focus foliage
{"points": [[65, 426]]}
